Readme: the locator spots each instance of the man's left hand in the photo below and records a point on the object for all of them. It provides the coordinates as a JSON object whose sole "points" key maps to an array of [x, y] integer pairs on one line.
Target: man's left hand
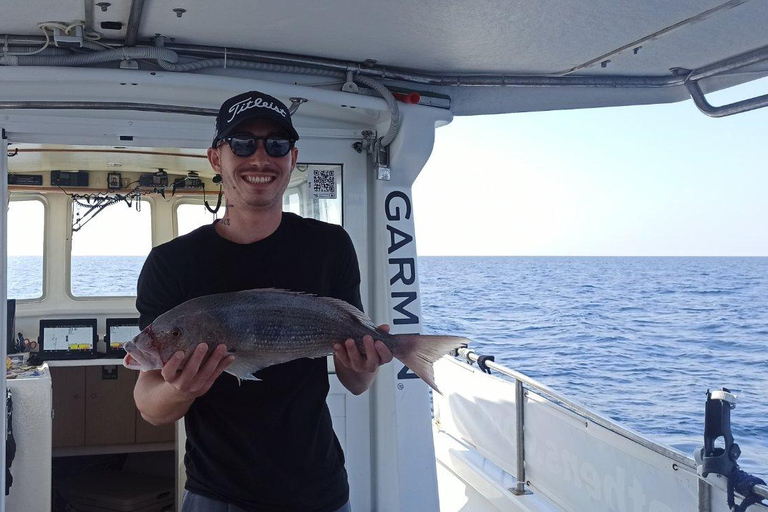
{"points": [[375, 353]]}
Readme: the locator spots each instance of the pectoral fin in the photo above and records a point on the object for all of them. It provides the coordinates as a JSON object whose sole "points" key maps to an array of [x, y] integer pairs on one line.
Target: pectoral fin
{"points": [[244, 366]]}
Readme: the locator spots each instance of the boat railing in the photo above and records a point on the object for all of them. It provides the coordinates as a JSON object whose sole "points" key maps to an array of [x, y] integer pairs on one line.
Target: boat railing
{"points": [[522, 381]]}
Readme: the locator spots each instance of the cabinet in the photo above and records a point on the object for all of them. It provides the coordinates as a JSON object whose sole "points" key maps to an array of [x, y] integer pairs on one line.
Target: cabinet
{"points": [[93, 406], [68, 406]]}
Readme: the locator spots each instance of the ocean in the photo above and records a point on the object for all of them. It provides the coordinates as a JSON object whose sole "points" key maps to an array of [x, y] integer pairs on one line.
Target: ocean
{"points": [[639, 340]]}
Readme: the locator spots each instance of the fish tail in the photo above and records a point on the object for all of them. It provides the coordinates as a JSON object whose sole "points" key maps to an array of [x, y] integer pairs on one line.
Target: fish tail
{"points": [[419, 351]]}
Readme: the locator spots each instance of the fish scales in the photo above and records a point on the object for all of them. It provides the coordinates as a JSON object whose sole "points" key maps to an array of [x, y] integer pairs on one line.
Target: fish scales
{"points": [[265, 327]]}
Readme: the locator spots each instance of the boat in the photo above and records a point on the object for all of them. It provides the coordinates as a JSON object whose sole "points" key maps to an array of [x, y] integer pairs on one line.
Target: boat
{"points": [[108, 107]]}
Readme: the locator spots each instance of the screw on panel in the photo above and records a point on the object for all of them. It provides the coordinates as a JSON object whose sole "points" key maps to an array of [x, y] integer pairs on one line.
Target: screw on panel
{"points": [[179, 12], [104, 6], [636, 50], [605, 63]]}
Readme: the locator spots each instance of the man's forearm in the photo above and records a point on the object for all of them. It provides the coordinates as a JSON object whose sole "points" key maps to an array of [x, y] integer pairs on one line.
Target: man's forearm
{"points": [[159, 402], [355, 382]]}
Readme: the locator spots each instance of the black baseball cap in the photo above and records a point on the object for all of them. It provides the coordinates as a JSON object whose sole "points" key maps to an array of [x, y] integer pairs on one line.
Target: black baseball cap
{"points": [[248, 106]]}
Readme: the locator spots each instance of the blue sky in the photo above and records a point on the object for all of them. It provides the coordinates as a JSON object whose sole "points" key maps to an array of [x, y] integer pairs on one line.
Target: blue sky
{"points": [[660, 180]]}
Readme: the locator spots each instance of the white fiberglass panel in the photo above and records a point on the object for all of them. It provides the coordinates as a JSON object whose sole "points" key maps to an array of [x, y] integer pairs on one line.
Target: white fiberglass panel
{"points": [[570, 460], [478, 411]]}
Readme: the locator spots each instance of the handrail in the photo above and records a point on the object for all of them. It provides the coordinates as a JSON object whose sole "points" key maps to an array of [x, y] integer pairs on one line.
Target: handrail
{"points": [[719, 68], [726, 110], [682, 460], [583, 411]]}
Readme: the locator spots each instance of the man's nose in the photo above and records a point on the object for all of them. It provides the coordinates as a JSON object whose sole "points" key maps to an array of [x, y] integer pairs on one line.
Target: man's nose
{"points": [[260, 156]]}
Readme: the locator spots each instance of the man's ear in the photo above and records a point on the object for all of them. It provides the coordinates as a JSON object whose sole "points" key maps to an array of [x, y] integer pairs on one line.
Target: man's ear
{"points": [[295, 156], [214, 159]]}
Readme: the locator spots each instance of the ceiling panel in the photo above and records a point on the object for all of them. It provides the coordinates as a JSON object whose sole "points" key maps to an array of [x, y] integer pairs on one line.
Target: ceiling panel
{"points": [[486, 36]]}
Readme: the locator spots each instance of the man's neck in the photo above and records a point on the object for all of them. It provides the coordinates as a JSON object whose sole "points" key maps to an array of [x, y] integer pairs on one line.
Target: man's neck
{"points": [[245, 227]]}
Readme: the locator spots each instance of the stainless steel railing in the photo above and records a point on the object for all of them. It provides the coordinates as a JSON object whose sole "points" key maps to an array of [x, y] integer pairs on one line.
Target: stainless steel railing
{"points": [[521, 379]]}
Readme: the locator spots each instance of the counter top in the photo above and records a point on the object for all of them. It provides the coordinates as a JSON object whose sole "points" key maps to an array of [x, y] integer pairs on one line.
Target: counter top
{"points": [[102, 361]]}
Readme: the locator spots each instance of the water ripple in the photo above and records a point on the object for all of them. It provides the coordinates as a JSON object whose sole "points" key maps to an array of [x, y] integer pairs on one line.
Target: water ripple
{"points": [[639, 340]]}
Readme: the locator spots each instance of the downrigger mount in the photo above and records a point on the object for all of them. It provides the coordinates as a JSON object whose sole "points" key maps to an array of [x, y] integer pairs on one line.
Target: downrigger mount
{"points": [[721, 460]]}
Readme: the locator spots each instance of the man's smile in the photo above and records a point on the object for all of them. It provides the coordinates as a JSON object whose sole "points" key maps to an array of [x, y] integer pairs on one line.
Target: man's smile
{"points": [[258, 179]]}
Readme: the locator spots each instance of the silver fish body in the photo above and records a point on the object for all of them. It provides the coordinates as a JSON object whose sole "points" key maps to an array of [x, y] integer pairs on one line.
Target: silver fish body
{"points": [[264, 327]]}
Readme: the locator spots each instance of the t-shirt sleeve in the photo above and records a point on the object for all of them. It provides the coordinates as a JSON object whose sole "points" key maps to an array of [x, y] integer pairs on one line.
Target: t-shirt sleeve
{"points": [[346, 285], [157, 289]]}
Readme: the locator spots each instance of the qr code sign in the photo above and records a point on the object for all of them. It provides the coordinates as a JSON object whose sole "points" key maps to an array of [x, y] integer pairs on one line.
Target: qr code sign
{"points": [[323, 183]]}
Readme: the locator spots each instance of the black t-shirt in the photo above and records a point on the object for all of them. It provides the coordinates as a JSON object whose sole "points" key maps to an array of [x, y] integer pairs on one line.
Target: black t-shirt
{"points": [[263, 445]]}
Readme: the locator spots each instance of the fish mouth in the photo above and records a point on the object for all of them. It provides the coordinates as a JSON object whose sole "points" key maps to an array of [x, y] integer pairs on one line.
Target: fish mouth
{"points": [[138, 358]]}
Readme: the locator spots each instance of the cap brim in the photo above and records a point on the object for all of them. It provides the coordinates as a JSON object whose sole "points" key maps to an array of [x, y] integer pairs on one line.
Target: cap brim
{"points": [[292, 133]]}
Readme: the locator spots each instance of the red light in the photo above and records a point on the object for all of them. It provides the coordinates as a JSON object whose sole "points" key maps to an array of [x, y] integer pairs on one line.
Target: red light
{"points": [[411, 98]]}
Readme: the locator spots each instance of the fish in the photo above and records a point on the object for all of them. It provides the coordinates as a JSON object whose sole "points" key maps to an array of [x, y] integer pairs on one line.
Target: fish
{"points": [[265, 327]]}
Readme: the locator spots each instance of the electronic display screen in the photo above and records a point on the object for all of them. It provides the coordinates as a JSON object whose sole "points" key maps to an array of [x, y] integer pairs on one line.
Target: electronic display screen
{"points": [[70, 338], [120, 334]]}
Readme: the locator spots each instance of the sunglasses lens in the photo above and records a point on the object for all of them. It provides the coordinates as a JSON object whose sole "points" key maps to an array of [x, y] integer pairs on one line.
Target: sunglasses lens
{"points": [[277, 147], [245, 145], [242, 146]]}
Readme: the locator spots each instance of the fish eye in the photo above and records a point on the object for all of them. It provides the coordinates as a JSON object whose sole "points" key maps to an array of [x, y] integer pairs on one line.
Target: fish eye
{"points": [[175, 331]]}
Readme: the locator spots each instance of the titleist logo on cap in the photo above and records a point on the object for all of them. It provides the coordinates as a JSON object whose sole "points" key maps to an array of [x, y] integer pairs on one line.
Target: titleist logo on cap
{"points": [[247, 104]]}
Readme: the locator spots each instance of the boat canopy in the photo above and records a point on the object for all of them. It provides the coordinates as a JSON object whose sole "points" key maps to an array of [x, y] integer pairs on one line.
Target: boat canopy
{"points": [[474, 58]]}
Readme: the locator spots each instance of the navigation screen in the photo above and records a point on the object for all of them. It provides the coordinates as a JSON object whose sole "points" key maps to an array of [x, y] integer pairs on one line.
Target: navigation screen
{"points": [[71, 338], [120, 334]]}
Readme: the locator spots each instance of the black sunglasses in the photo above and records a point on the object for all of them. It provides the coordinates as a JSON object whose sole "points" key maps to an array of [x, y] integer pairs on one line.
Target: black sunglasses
{"points": [[245, 145]]}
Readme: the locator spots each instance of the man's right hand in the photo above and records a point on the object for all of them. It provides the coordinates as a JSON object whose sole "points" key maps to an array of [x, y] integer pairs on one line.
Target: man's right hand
{"points": [[164, 396], [199, 373]]}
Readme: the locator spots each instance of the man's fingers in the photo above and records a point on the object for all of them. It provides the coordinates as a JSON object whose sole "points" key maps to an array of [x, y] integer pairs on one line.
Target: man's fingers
{"points": [[341, 354], [355, 357], [384, 327], [186, 378], [371, 361], [171, 368], [385, 355], [210, 365]]}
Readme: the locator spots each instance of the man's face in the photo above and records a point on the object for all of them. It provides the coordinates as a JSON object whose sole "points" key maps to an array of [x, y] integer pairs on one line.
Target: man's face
{"points": [[256, 182]]}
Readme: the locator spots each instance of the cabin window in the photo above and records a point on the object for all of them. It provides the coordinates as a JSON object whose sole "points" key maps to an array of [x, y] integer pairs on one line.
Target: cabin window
{"points": [[26, 227], [109, 250], [190, 216]]}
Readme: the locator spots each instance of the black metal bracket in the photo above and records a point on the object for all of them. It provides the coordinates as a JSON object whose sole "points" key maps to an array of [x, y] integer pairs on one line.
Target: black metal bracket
{"points": [[482, 363], [717, 424]]}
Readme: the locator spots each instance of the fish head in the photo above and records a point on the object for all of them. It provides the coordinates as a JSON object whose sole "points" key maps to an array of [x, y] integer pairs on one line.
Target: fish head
{"points": [[154, 346]]}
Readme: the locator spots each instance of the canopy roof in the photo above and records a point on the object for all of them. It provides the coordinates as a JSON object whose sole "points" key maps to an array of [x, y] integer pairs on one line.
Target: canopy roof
{"points": [[487, 56]]}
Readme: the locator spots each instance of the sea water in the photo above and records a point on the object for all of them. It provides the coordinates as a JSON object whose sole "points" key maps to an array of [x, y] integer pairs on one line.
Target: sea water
{"points": [[639, 340]]}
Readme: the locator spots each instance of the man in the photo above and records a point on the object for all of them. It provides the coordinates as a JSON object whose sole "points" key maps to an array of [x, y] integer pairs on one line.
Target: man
{"points": [[264, 445]]}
